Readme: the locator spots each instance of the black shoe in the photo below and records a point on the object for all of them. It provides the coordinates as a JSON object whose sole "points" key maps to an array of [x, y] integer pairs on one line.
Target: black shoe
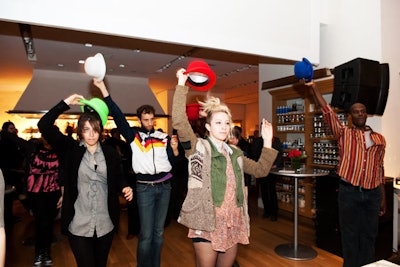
{"points": [[266, 215], [38, 260], [46, 259], [273, 218]]}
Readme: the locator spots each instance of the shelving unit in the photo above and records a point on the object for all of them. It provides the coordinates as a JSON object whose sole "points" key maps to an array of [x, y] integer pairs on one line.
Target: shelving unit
{"points": [[298, 124], [324, 145], [285, 193]]}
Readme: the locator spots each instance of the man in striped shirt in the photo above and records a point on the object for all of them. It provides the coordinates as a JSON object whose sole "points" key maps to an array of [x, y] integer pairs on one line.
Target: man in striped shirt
{"points": [[361, 197]]}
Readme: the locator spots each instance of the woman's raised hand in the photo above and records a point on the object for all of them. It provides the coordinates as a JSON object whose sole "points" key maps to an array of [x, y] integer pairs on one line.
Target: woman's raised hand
{"points": [[74, 99], [182, 77], [267, 133], [101, 85]]}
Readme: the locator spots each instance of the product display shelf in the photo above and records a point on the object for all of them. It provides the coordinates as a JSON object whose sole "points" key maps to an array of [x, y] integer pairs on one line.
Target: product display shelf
{"points": [[285, 193], [294, 112], [325, 152]]}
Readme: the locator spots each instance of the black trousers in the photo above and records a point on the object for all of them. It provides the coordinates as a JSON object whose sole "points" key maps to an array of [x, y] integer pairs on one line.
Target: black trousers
{"points": [[268, 195], [44, 208], [91, 251], [359, 223], [133, 210]]}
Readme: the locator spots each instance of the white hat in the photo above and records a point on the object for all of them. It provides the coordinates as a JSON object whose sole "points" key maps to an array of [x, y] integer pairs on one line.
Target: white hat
{"points": [[96, 66]]}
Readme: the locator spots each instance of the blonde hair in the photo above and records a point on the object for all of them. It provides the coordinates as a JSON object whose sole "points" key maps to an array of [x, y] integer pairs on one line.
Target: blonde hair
{"points": [[213, 105]]}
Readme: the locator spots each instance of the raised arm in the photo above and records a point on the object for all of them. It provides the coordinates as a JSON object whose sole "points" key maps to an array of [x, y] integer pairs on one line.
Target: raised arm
{"points": [[180, 121], [46, 125], [102, 87], [116, 112], [321, 101]]}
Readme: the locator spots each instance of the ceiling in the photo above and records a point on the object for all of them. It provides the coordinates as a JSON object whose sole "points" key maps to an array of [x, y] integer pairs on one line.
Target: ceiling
{"points": [[61, 49]]}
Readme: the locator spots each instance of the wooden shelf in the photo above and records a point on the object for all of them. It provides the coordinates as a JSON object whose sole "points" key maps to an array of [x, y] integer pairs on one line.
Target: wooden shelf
{"points": [[323, 166], [285, 97], [327, 138], [277, 132]]}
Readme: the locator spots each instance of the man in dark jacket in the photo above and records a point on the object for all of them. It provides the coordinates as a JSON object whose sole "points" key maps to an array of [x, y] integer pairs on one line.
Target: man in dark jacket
{"points": [[267, 184]]}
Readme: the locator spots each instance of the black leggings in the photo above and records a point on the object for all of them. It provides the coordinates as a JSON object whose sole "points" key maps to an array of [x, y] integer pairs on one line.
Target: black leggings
{"points": [[91, 251]]}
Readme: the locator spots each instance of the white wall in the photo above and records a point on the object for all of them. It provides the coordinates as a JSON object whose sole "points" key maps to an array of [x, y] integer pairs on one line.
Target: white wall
{"points": [[261, 27], [391, 54], [266, 73], [351, 29]]}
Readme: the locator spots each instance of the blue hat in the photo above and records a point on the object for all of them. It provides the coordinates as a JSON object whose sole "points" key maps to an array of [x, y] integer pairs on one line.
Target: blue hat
{"points": [[304, 70]]}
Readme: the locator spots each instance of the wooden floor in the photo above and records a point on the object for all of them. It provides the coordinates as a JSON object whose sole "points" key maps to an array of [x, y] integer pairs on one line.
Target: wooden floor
{"points": [[177, 248]]}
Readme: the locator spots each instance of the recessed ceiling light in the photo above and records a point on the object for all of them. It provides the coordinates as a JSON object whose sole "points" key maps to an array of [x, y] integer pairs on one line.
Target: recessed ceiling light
{"points": [[121, 65], [60, 65], [81, 61], [88, 45]]}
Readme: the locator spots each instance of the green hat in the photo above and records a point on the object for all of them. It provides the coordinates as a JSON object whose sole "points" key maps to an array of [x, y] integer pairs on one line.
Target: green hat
{"points": [[97, 105]]}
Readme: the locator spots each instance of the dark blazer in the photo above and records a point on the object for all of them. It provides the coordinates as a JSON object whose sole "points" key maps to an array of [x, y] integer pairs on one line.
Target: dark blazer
{"points": [[71, 154], [256, 147]]}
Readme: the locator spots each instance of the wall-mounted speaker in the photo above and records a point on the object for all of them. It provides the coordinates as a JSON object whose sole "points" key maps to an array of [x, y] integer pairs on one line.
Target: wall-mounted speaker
{"points": [[358, 80], [384, 89]]}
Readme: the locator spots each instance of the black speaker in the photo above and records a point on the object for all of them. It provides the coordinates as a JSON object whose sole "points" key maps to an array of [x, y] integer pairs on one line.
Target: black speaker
{"points": [[384, 89], [357, 81]]}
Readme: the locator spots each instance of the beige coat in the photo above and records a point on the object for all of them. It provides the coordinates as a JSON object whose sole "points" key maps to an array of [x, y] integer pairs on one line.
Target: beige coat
{"points": [[198, 211]]}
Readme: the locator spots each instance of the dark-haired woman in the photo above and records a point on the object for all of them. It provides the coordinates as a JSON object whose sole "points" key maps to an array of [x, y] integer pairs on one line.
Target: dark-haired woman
{"points": [[92, 178]]}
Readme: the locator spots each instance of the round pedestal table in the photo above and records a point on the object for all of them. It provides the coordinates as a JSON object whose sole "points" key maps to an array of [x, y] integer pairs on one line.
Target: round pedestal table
{"points": [[296, 251]]}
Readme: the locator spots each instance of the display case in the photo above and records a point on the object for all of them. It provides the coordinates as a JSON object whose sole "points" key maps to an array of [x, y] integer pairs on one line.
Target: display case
{"points": [[299, 125]]}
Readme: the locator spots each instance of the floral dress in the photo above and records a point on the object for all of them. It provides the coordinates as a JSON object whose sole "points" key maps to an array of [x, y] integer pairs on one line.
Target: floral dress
{"points": [[230, 227]]}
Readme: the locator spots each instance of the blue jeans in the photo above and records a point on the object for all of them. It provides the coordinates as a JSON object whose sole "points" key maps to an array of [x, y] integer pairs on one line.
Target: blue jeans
{"points": [[153, 202], [359, 222]]}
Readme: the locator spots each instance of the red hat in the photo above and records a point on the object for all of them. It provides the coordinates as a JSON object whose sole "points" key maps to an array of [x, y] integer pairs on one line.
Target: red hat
{"points": [[192, 111], [201, 76]]}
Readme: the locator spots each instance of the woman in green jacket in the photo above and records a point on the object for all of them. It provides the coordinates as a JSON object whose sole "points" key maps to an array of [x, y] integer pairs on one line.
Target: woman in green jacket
{"points": [[215, 208]]}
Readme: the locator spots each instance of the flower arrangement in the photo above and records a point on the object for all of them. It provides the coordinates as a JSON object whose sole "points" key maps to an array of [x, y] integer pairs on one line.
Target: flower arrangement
{"points": [[295, 155]]}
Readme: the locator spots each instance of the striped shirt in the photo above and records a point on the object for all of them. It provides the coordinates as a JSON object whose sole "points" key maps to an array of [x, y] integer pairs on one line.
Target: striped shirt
{"points": [[361, 160]]}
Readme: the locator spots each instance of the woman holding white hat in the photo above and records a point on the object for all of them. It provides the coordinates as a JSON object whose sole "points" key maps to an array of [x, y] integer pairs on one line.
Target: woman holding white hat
{"points": [[92, 179]]}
